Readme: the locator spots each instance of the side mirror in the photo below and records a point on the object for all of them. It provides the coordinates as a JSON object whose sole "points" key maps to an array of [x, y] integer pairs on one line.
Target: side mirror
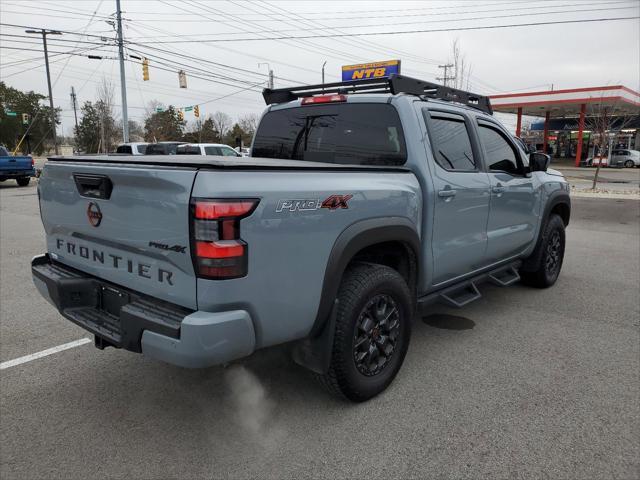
{"points": [[539, 162]]}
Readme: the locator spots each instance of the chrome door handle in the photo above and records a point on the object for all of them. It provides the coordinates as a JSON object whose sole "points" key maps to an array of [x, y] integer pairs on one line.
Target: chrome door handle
{"points": [[498, 189], [447, 193]]}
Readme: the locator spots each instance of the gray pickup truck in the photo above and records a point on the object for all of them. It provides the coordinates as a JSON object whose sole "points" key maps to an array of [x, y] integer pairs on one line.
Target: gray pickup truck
{"points": [[363, 202]]}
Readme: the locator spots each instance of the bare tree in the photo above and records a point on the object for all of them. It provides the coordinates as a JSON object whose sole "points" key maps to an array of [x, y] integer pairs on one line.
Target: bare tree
{"points": [[607, 120], [461, 68], [221, 123], [104, 107], [249, 124]]}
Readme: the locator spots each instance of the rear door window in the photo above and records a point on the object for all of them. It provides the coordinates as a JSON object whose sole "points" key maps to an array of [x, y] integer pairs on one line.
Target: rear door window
{"points": [[346, 133], [450, 141], [155, 150], [188, 150]]}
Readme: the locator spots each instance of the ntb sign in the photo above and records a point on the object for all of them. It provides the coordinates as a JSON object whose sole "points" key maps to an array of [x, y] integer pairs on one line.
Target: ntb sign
{"points": [[370, 70]]}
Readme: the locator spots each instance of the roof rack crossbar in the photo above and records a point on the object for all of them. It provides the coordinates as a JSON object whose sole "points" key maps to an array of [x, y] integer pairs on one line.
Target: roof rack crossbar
{"points": [[394, 84]]}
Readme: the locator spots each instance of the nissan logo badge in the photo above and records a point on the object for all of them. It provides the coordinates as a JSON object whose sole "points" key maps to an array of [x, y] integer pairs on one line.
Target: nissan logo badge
{"points": [[94, 214]]}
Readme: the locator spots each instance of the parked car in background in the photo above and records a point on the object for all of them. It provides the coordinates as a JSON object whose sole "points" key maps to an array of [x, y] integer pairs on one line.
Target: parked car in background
{"points": [[245, 152], [207, 149], [162, 148], [133, 148], [19, 168], [628, 158]]}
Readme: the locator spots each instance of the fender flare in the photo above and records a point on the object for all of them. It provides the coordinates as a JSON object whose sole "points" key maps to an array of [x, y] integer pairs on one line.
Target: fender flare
{"points": [[556, 198], [314, 352]]}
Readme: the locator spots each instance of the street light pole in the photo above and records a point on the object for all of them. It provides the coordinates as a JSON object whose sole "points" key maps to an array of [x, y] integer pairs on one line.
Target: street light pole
{"points": [[123, 84], [325, 62], [44, 34]]}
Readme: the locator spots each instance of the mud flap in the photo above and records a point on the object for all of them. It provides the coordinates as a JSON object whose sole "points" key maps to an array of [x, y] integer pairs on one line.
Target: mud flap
{"points": [[315, 352]]}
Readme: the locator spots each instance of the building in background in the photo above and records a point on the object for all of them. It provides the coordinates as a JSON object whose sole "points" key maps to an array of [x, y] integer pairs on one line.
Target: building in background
{"points": [[570, 115]]}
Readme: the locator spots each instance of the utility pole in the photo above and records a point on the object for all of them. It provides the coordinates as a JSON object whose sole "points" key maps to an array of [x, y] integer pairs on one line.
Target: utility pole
{"points": [[445, 79], [75, 113], [123, 84], [44, 34]]}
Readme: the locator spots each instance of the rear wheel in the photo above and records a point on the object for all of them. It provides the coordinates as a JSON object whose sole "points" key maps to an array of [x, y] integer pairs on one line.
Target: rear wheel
{"points": [[542, 269], [373, 327], [23, 181], [629, 164]]}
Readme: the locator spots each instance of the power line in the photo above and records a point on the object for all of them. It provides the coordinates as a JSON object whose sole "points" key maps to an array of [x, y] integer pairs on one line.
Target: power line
{"points": [[435, 30], [391, 14], [319, 27]]}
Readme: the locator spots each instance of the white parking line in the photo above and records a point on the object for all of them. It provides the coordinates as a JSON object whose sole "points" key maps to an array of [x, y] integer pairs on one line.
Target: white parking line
{"points": [[44, 353]]}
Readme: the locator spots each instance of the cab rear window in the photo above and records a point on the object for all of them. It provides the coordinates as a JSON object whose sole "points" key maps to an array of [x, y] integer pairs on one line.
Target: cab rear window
{"points": [[347, 133]]}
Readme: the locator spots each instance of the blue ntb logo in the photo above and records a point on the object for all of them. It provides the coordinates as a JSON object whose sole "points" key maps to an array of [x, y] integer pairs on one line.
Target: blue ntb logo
{"points": [[370, 70]]}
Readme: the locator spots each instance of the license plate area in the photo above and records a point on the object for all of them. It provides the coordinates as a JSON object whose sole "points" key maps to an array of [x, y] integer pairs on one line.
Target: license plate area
{"points": [[111, 300]]}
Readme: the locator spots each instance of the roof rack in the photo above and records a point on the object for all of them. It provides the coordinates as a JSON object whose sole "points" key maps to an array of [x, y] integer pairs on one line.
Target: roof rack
{"points": [[393, 84]]}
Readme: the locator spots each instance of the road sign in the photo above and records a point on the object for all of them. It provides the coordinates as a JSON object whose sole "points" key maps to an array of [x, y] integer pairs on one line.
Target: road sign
{"points": [[188, 109], [10, 113], [159, 109]]}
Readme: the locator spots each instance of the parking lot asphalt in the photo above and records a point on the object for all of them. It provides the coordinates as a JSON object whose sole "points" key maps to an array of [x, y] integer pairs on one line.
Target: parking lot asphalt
{"points": [[523, 383]]}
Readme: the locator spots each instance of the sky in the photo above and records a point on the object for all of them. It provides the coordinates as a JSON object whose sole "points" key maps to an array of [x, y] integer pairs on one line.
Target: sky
{"points": [[227, 47]]}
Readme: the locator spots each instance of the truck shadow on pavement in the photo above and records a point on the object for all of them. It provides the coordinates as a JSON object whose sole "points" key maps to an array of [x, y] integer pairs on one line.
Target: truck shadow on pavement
{"points": [[449, 322]]}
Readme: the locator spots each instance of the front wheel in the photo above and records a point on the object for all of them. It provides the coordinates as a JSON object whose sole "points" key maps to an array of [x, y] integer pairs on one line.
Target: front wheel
{"points": [[629, 164], [23, 181], [542, 269], [373, 328]]}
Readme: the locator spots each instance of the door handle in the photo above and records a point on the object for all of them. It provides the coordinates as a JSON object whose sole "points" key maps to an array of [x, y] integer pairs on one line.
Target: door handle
{"points": [[447, 193], [498, 189]]}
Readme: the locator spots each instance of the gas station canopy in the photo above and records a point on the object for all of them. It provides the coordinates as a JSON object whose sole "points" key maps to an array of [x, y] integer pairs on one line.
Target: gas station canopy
{"points": [[567, 103]]}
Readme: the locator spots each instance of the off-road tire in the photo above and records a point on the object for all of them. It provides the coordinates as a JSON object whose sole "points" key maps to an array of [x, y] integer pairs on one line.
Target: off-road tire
{"points": [[542, 268], [365, 286], [23, 181]]}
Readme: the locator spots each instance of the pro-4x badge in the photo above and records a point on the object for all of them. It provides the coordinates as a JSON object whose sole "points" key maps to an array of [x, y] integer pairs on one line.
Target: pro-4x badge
{"points": [[332, 202]]}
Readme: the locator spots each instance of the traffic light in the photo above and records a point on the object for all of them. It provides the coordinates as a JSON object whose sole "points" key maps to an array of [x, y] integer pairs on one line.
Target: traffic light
{"points": [[196, 111], [145, 69], [181, 115], [26, 118]]}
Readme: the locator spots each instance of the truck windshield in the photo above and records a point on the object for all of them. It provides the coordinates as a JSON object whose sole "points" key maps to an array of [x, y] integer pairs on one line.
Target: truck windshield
{"points": [[346, 133]]}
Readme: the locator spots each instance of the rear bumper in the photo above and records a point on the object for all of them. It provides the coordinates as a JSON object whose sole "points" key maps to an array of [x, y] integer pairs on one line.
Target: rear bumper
{"points": [[6, 174], [126, 319]]}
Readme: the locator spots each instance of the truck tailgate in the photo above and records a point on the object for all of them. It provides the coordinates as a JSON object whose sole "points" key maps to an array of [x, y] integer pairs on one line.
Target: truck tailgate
{"points": [[127, 224], [14, 164]]}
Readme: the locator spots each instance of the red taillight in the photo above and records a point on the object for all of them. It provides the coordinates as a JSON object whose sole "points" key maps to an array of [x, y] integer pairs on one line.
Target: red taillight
{"points": [[217, 249], [216, 209], [33, 163], [324, 99]]}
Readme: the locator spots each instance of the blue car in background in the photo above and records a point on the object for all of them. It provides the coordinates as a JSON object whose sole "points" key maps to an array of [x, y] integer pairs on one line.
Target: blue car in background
{"points": [[20, 168]]}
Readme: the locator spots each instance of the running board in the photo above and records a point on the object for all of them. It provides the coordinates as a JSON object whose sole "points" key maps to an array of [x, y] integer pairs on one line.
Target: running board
{"points": [[505, 277], [459, 296], [466, 291]]}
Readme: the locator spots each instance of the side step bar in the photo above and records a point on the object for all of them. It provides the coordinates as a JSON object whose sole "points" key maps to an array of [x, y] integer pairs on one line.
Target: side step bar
{"points": [[466, 291]]}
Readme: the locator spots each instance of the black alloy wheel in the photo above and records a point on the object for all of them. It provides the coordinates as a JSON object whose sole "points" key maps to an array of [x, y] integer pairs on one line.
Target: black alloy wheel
{"points": [[376, 334]]}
